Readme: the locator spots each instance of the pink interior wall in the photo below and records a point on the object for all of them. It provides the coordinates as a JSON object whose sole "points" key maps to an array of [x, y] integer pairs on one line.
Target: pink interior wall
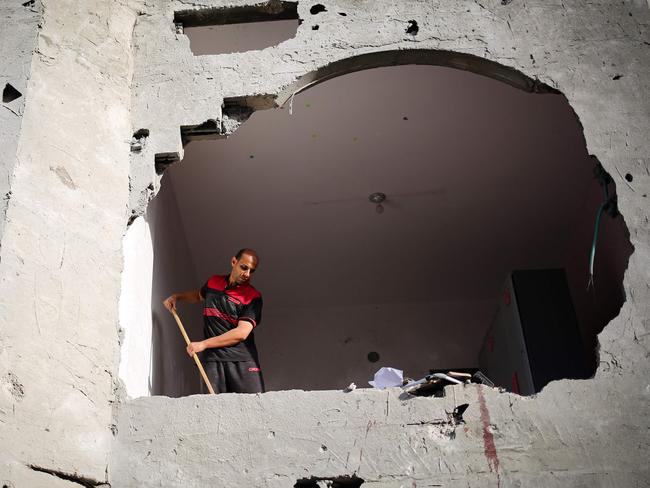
{"points": [[327, 348]]}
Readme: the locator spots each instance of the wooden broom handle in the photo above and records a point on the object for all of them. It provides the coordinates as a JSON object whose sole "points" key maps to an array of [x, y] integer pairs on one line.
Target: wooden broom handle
{"points": [[195, 357]]}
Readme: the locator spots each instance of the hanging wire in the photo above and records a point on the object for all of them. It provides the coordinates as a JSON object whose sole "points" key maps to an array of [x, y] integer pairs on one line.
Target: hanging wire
{"points": [[608, 203]]}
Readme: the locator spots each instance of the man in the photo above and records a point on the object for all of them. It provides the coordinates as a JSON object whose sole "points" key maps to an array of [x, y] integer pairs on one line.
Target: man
{"points": [[232, 309]]}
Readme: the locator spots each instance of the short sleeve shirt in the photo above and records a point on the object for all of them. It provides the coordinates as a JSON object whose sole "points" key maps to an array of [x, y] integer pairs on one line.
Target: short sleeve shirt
{"points": [[223, 308]]}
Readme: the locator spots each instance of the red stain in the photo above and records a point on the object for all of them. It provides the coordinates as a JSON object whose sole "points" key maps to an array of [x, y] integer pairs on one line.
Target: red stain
{"points": [[488, 438], [515, 383]]}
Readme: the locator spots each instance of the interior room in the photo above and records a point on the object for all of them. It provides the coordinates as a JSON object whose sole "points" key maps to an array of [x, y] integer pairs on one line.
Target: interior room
{"points": [[389, 208]]}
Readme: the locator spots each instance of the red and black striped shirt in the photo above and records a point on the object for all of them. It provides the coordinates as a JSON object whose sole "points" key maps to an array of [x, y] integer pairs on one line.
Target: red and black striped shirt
{"points": [[223, 308]]}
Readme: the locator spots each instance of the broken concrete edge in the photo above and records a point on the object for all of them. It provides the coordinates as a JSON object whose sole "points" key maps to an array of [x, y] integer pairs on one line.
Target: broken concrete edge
{"points": [[206, 14], [235, 110], [416, 56], [145, 176], [333, 422]]}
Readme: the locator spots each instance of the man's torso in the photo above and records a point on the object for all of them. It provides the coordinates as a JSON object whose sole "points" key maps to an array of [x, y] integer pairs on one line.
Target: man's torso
{"points": [[223, 308]]}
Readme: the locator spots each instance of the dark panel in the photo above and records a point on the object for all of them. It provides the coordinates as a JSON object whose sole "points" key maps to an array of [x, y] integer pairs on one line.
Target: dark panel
{"points": [[549, 325]]}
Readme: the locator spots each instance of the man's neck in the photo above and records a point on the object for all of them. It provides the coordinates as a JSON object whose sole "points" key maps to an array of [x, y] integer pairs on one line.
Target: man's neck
{"points": [[230, 283]]}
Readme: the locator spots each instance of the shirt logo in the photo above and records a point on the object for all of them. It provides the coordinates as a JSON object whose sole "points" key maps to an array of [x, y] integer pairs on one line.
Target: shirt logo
{"points": [[254, 370]]}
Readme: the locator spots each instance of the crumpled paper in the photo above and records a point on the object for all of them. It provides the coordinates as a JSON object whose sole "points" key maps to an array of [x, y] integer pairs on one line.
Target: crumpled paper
{"points": [[387, 377]]}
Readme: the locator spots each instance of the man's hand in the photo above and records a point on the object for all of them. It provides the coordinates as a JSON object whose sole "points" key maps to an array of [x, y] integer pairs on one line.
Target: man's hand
{"points": [[195, 348], [170, 303], [191, 296]]}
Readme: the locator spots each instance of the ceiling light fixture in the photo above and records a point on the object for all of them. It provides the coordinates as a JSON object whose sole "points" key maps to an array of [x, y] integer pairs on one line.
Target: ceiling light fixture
{"points": [[377, 198]]}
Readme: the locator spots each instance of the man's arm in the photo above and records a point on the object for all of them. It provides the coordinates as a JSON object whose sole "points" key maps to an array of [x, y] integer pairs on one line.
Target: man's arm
{"points": [[230, 338], [191, 296]]}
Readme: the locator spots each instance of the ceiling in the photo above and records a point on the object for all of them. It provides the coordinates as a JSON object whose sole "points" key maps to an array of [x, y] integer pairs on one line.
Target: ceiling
{"points": [[480, 178]]}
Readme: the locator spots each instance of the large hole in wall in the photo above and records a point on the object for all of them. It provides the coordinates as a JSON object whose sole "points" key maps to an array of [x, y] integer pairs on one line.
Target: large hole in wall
{"points": [[238, 29], [478, 258]]}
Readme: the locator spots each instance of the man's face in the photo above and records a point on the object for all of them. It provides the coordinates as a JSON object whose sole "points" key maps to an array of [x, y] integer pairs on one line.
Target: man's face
{"points": [[243, 269]]}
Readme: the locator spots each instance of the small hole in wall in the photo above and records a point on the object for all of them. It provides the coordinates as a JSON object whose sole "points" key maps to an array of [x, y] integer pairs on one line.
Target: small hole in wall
{"points": [[316, 9], [315, 27], [373, 356], [412, 28], [629, 178], [138, 140], [343, 14], [617, 77], [141, 134], [333, 482], [28, 3], [9, 94]]}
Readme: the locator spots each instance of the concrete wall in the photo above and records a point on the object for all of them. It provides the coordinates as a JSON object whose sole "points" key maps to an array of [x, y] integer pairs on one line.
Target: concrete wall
{"points": [[575, 433], [18, 28], [389, 441], [61, 257]]}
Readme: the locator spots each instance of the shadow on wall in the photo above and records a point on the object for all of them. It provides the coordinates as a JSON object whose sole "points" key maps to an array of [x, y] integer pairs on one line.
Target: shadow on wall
{"points": [[173, 373]]}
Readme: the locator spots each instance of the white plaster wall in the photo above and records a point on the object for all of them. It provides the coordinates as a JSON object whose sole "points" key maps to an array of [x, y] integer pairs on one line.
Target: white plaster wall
{"points": [[135, 310]]}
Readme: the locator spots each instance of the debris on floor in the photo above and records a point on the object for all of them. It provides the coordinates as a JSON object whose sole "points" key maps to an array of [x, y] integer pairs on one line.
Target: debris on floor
{"points": [[434, 383], [386, 377]]}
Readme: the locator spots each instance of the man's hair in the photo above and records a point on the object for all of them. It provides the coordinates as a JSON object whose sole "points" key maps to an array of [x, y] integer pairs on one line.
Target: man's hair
{"points": [[246, 250]]}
